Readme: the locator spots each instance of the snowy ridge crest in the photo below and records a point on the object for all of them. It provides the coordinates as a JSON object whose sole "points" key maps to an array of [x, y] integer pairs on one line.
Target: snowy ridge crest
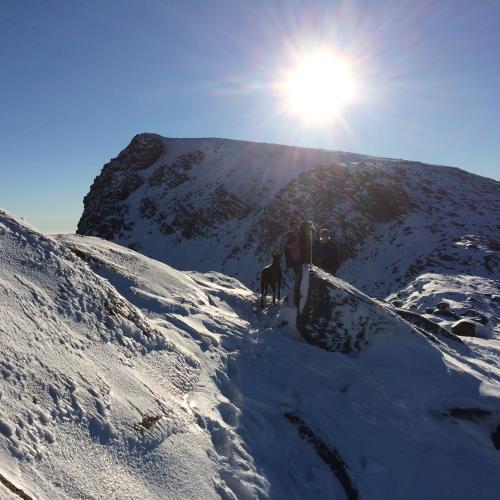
{"points": [[217, 204]]}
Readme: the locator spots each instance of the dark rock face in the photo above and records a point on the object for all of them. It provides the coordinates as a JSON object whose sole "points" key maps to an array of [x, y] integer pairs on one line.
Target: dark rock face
{"points": [[221, 206], [333, 196], [338, 317], [143, 151], [472, 414], [443, 306], [105, 214], [176, 173], [465, 328], [426, 326]]}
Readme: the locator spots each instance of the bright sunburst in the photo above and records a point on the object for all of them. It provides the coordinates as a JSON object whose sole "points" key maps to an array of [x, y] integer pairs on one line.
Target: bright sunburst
{"points": [[318, 87]]}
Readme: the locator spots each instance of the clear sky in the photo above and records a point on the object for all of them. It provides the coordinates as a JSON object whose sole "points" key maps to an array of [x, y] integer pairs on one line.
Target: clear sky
{"points": [[79, 79]]}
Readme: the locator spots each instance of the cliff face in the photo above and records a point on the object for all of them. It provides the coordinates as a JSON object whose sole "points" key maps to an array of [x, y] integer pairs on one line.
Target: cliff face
{"points": [[105, 213], [215, 204]]}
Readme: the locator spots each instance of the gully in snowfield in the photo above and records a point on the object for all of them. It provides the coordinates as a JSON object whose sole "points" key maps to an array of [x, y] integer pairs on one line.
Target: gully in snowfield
{"points": [[271, 277]]}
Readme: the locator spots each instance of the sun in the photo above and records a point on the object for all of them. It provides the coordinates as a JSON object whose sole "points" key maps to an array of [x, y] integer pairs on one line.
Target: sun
{"points": [[318, 88]]}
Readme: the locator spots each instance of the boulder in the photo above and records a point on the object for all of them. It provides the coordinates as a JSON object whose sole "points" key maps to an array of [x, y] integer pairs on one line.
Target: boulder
{"points": [[446, 313], [338, 317], [466, 328], [476, 316], [443, 306]]}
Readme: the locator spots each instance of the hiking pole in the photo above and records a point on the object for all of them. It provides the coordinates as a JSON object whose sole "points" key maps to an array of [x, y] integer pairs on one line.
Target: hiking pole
{"points": [[311, 247]]}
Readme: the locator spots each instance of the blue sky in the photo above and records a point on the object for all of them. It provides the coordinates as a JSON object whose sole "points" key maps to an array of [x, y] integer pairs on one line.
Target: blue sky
{"points": [[79, 79]]}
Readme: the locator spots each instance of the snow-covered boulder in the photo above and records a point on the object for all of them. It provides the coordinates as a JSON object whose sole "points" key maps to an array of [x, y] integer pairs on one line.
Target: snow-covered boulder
{"points": [[469, 328], [453, 302], [336, 316]]}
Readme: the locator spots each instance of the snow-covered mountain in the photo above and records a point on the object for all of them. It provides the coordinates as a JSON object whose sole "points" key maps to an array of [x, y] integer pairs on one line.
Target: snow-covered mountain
{"points": [[122, 377], [216, 204]]}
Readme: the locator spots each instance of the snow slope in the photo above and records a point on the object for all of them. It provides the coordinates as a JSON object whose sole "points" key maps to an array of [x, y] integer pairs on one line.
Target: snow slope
{"points": [[122, 377], [81, 368]]}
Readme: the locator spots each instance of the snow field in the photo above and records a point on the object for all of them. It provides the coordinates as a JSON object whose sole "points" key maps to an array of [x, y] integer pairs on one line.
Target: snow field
{"points": [[121, 377]]}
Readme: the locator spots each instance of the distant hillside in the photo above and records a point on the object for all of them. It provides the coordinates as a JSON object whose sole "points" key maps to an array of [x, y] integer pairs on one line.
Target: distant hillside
{"points": [[218, 204]]}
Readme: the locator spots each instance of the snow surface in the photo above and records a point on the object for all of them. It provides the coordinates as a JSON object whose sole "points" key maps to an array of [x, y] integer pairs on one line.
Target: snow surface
{"points": [[96, 338], [462, 293]]}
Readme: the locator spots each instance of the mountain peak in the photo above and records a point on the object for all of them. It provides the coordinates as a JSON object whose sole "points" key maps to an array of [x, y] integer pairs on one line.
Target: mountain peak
{"points": [[217, 204]]}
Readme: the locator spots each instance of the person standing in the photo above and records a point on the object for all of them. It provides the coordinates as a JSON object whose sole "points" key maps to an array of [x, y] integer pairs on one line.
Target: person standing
{"points": [[329, 260], [306, 237]]}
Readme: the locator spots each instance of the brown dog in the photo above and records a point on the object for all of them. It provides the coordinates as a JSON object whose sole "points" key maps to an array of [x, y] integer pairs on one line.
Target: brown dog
{"points": [[271, 277]]}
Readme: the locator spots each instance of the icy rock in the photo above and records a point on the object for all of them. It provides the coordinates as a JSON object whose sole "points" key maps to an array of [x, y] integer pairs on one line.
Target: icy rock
{"points": [[465, 328], [443, 306], [338, 317]]}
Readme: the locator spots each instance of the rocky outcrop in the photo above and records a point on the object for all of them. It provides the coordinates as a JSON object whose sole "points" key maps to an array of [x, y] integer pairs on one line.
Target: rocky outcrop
{"points": [[333, 196], [105, 213], [194, 222], [337, 317], [466, 328], [426, 326]]}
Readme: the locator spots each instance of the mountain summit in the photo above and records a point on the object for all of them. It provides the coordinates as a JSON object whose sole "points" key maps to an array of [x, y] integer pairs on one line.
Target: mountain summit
{"points": [[218, 204]]}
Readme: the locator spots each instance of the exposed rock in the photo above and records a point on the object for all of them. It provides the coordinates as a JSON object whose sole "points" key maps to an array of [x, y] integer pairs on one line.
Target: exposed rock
{"points": [[476, 316], [338, 317], [168, 176], [447, 313], [443, 306], [105, 214], [147, 208], [197, 221], [465, 328], [14, 489], [383, 202], [128, 185], [143, 151], [329, 455], [352, 203], [472, 414], [428, 326]]}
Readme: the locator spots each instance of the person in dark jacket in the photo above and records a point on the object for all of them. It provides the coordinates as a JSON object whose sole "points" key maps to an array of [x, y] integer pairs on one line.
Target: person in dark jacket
{"points": [[298, 251], [306, 237], [292, 249], [329, 257]]}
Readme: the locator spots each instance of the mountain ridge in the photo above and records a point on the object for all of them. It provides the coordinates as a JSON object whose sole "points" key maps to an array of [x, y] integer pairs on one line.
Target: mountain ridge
{"points": [[217, 204]]}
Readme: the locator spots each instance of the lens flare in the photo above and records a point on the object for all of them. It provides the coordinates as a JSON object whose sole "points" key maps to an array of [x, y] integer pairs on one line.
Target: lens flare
{"points": [[318, 88]]}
